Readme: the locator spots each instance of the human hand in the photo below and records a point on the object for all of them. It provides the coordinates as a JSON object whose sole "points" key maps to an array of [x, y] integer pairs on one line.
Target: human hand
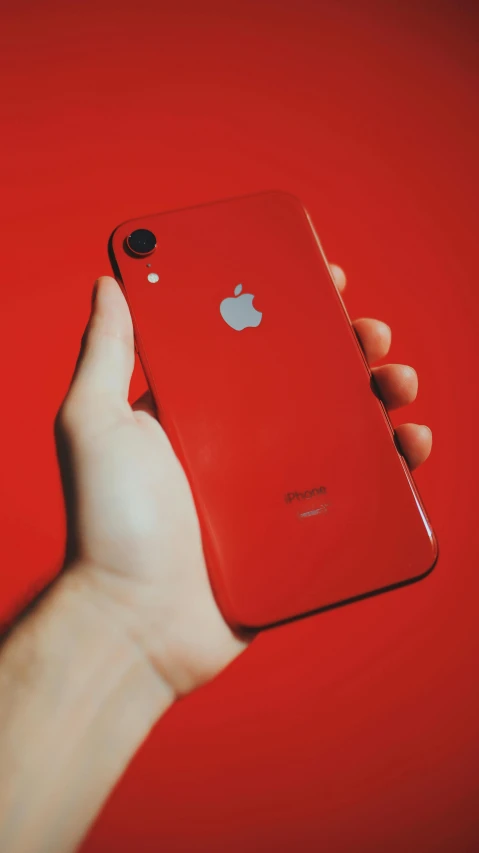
{"points": [[133, 530]]}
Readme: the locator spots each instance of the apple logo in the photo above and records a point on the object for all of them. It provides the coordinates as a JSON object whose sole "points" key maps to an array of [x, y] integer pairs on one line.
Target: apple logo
{"points": [[238, 311]]}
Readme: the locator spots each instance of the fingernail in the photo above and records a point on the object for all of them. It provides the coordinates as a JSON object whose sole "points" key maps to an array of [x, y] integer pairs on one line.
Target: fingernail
{"points": [[425, 426]]}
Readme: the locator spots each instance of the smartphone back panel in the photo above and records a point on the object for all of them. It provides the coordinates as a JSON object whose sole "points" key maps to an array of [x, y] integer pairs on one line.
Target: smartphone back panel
{"points": [[260, 383]]}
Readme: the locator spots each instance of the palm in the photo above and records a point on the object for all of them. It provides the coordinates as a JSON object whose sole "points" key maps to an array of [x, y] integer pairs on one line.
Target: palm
{"points": [[135, 527]]}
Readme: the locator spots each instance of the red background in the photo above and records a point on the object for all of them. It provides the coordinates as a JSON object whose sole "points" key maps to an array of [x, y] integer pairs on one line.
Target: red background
{"points": [[356, 729]]}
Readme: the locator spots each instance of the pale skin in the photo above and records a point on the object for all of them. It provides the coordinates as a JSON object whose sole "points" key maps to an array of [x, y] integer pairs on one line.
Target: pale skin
{"points": [[131, 624]]}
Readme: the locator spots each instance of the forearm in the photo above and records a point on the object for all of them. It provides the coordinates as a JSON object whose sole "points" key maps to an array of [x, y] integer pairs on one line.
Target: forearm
{"points": [[77, 698]]}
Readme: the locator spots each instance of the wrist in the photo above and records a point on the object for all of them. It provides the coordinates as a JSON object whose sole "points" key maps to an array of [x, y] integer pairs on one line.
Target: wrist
{"points": [[113, 636]]}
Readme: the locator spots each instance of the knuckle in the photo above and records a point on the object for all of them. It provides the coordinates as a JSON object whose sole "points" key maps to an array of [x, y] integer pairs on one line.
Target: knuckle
{"points": [[67, 417]]}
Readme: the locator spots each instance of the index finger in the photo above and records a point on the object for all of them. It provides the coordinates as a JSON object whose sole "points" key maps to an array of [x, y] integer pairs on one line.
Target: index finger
{"points": [[339, 276]]}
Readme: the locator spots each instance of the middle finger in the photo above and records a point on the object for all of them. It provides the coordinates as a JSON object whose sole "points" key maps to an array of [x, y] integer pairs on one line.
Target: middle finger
{"points": [[374, 337]]}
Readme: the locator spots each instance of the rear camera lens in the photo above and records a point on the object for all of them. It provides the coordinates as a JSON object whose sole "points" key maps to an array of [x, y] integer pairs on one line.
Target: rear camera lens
{"points": [[141, 242]]}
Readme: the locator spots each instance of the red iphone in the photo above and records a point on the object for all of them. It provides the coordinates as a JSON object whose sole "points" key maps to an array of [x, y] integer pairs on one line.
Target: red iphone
{"points": [[303, 498]]}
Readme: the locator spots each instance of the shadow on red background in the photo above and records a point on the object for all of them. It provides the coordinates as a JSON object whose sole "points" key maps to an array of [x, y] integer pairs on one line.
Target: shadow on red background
{"points": [[357, 729]]}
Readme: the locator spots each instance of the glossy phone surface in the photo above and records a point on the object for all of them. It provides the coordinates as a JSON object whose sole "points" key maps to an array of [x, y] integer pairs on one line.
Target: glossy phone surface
{"points": [[260, 383]]}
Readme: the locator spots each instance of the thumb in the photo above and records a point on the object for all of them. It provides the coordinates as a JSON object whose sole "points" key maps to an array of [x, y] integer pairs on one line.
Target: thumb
{"points": [[107, 355]]}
